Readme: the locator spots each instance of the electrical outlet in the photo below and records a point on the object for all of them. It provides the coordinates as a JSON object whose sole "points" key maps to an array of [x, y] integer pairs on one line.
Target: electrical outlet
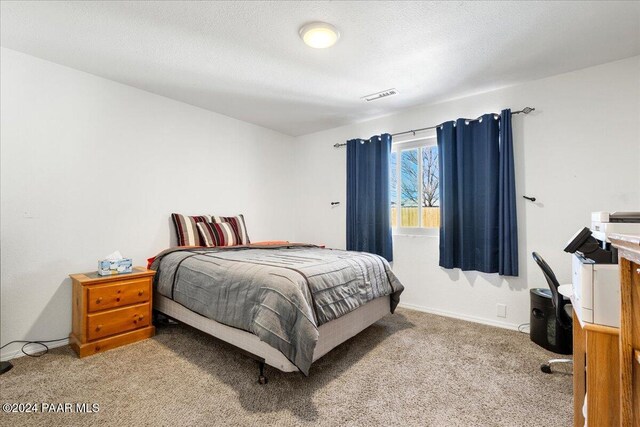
{"points": [[502, 310]]}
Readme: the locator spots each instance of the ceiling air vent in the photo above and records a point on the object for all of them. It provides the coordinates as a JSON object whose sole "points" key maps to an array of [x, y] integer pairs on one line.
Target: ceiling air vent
{"points": [[383, 94]]}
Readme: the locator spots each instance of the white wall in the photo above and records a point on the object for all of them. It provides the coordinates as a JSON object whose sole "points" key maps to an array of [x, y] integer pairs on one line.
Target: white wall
{"points": [[89, 166], [579, 152]]}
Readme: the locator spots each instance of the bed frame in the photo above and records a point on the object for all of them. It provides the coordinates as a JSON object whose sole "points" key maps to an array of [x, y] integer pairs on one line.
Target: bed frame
{"points": [[331, 335]]}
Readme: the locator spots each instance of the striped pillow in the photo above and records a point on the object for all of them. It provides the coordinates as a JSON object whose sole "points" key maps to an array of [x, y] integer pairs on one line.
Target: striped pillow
{"points": [[237, 222], [186, 229], [218, 234]]}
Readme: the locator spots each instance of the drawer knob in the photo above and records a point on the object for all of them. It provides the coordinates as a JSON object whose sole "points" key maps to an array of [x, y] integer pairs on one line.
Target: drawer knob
{"points": [[99, 300], [119, 290], [140, 293], [98, 327], [117, 299], [141, 318]]}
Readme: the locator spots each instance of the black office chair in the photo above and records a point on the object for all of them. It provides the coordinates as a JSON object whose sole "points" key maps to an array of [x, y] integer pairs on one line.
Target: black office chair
{"points": [[563, 311]]}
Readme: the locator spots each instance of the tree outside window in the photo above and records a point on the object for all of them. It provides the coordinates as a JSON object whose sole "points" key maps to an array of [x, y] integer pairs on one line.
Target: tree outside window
{"points": [[415, 199]]}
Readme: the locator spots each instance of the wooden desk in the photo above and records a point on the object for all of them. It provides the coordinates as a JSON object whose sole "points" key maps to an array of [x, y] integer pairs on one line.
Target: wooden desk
{"points": [[629, 343], [606, 361], [596, 372]]}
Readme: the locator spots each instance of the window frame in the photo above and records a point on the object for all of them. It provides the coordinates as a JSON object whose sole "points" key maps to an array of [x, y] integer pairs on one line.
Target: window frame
{"points": [[429, 140]]}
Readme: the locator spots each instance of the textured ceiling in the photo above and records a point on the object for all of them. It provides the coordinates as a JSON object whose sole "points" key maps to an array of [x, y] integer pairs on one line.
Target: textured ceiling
{"points": [[245, 59]]}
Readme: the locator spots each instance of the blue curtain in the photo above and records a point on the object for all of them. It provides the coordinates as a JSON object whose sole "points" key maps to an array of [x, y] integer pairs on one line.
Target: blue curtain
{"points": [[368, 209], [507, 221], [477, 195]]}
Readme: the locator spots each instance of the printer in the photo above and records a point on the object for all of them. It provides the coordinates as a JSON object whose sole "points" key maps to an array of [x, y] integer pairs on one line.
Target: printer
{"points": [[595, 271], [605, 223]]}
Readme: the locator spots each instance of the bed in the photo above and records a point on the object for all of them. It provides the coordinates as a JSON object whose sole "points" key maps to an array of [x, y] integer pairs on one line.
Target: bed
{"points": [[286, 305]]}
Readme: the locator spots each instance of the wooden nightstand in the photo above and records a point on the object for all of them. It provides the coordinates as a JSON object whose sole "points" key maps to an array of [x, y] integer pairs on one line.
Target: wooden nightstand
{"points": [[110, 311]]}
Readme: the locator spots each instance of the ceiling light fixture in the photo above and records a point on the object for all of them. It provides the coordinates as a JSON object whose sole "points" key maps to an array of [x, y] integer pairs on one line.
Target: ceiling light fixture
{"points": [[319, 35]]}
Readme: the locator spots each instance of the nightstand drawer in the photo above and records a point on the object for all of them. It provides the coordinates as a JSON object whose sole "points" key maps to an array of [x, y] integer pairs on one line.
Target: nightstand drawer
{"points": [[117, 321], [119, 294]]}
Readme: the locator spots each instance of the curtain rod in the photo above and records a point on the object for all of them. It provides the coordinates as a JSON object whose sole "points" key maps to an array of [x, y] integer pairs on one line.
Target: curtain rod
{"points": [[525, 110]]}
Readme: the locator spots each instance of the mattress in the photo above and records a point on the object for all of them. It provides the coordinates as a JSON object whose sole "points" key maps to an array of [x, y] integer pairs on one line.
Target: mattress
{"points": [[282, 294]]}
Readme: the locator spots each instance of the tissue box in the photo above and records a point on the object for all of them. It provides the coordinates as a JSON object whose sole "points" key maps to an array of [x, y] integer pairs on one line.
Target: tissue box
{"points": [[107, 267]]}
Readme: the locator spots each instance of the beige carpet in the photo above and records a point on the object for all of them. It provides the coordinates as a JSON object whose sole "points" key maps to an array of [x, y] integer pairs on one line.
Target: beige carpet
{"points": [[410, 368]]}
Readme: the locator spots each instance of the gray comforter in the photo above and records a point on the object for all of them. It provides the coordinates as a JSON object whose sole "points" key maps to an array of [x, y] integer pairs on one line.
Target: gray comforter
{"points": [[279, 293]]}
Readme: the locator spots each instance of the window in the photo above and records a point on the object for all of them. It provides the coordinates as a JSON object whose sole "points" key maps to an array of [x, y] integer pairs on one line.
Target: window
{"points": [[414, 191]]}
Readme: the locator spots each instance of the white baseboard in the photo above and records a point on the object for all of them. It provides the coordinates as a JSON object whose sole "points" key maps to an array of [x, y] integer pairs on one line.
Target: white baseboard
{"points": [[8, 355], [497, 323]]}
